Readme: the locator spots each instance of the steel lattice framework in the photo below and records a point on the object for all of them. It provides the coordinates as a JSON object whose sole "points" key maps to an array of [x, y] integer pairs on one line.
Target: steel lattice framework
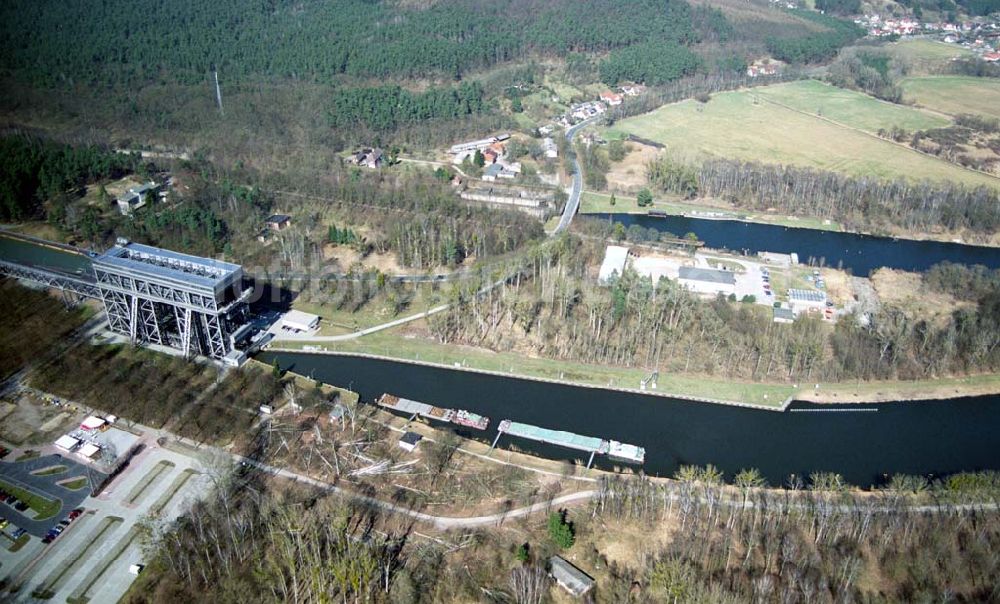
{"points": [[81, 286], [177, 300]]}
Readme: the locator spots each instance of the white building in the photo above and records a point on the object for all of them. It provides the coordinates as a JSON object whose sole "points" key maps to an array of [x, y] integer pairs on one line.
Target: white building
{"points": [[409, 441], [296, 320], [707, 280], [569, 577], [615, 257], [550, 148]]}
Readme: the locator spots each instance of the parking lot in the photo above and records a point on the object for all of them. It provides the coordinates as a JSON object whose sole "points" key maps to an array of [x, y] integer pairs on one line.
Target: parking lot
{"points": [[90, 560], [24, 474]]}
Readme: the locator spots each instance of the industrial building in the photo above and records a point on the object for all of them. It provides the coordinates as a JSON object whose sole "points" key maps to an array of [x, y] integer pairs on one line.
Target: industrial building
{"points": [[155, 296], [806, 300], [299, 321], [707, 280]]}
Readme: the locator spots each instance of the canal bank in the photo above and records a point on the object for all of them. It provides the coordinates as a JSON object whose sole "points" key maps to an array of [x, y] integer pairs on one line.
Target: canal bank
{"points": [[780, 405], [860, 254], [865, 443]]}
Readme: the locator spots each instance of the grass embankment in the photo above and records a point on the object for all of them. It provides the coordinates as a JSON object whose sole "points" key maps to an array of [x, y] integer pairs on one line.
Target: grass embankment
{"points": [[746, 125], [42, 506], [924, 56], [900, 390], [390, 344], [337, 321], [600, 203], [955, 95]]}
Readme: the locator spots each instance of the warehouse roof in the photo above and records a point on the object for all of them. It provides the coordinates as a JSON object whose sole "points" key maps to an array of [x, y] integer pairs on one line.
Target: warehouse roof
{"points": [[615, 257], [806, 295], [707, 274], [571, 578]]}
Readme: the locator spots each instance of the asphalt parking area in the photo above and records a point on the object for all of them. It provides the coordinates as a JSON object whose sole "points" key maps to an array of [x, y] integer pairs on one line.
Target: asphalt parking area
{"points": [[19, 474]]}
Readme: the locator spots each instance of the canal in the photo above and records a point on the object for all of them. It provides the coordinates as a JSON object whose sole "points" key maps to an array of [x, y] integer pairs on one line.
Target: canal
{"points": [[860, 253], [864, 444], [29, 253]]}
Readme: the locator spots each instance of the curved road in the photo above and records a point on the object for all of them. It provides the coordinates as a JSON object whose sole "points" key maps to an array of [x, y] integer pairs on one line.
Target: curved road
{"points": [[572, 205]]}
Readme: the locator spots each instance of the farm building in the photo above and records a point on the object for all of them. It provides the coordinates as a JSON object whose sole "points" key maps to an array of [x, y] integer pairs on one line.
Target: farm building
{"points": [[278, 222], [707, 280], [615, 257], [569, 577]]}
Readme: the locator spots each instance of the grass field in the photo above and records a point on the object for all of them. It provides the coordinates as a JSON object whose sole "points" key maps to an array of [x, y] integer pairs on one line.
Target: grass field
{"points": [[741, 126], [955, 94], [390, 344], [849, 107], [925, 56]]}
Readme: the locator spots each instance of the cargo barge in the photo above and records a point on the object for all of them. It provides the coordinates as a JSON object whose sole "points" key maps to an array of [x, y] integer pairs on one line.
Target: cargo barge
{"points": [[415, 408], [589, 444]]}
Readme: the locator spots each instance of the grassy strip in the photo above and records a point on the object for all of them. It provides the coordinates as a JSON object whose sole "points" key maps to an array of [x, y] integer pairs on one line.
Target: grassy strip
{"points": [[140, 489], [19, 543], [79, 595], [593, 202], [389, 344], [175, 486], [896, 390], [51, 585], [75, 484], [50, 471], [43, 506]]}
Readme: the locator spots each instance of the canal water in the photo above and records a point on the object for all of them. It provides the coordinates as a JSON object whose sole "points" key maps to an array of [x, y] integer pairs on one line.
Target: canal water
{"points": [[41, 256], [860, 253], [865, 444]]}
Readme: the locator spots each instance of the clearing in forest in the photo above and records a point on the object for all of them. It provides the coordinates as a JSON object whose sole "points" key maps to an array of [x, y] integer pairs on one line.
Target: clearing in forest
{"points": [[850, 107], [955, 94], [744, 125]]}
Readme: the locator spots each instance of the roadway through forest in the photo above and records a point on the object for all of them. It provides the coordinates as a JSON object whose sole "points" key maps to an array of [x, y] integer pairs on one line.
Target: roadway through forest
{"points": [[569, 211]]}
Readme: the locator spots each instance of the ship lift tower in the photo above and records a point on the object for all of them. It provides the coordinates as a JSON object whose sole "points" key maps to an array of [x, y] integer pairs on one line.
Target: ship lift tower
{"points": [[155, 296]]}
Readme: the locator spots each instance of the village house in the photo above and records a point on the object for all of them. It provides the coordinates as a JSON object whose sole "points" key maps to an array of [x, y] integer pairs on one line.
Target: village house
{"points": [[278, 222], [492, 172], [611, 98], [762, 67], [371, 158], [632, 89], [991, 57], [135, 197]]}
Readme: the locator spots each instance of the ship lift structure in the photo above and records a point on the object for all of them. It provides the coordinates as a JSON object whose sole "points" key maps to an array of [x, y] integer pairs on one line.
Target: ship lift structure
{"points": [[195, 305]]}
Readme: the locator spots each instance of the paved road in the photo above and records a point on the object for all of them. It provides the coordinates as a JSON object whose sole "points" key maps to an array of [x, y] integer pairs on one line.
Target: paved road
{"points": [[573, 203], [440, 522]]}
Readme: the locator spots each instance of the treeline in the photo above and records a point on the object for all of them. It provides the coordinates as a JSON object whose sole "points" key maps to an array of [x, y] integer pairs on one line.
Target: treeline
{"points": [[32, 323], [139, 41], [690, 87], [869, 70], [815, 47], [418, 218], [823, 545], [859, 203], [387, 107], [160, 391], [556, 309], [35, 170], [651, 63], [963, 281]]}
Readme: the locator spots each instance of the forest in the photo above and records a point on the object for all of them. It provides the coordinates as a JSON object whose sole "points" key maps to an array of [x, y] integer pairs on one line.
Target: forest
{"points": [[137, 42], [858, 203], [385, 108], [652, 63], [555, 309], [35, 170], [815, 47]]}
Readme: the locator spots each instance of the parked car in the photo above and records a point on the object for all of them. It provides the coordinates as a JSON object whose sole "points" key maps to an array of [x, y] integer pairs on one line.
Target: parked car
{"points": [[3, 523], [21, 506], [75, 513], [19, 533], [65, 521]]}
